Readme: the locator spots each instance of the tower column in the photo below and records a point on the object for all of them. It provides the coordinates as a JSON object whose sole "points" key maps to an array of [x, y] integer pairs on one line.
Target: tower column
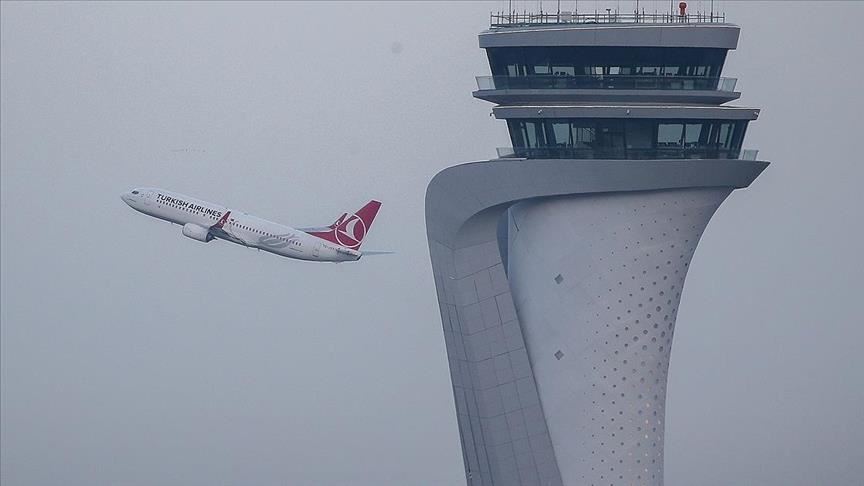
{"points": [[559, 265], [596, 281]]}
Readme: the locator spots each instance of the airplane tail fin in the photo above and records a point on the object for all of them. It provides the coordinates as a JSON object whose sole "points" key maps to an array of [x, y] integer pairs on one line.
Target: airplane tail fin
{"points": [[350, 229], [338, 221]]}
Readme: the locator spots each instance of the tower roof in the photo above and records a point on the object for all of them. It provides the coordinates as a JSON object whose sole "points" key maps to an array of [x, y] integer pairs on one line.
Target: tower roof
{"points": [[705, 35]]}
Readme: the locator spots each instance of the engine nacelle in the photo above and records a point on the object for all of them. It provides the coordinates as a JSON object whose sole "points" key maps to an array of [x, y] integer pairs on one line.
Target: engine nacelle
{"points": [[196, 232]]}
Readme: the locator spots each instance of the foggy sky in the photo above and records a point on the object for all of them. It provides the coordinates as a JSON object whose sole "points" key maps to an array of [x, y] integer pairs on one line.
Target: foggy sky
{"points": [[134, 356]]}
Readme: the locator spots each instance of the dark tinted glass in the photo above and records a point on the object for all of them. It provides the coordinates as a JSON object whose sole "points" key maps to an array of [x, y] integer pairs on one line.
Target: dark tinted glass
{"points": [[596, 61], [631, 139]]}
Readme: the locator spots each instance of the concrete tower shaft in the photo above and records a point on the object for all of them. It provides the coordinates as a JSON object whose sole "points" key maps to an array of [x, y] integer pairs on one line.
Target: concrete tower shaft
{"points": [[598, 313]]}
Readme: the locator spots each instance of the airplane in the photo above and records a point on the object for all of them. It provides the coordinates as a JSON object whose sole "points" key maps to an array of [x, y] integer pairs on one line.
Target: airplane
{"points": [[204, 222]]}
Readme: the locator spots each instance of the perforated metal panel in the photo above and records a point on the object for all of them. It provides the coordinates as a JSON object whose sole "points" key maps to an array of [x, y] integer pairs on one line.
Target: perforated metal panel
{"points": [[600, 340]]}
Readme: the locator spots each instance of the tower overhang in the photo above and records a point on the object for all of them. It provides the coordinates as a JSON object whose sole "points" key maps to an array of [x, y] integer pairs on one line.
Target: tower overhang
{"points": [[457, 194], [714, 36], [552, 96], [626, 111]]}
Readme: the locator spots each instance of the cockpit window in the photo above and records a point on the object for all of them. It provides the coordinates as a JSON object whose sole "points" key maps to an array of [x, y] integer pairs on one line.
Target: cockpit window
{"points": [[134, 192]]}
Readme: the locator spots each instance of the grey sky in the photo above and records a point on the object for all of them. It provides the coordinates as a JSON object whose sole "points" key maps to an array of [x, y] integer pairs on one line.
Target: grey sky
{"points": [[132, 355]]}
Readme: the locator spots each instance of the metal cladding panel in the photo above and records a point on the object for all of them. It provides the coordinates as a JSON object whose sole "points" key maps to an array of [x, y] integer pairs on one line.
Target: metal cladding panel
{"points": [[627, 111], [597, 280], [518, 96], [470, 191], [497, 406], [723, 36]]}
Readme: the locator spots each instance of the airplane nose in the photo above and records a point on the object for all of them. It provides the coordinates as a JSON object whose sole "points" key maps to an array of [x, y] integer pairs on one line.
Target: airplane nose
{"points": [[126, 197]]}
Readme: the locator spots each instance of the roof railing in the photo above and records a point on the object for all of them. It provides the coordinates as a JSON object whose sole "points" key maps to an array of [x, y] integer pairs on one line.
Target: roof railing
{"points": [[622, 153], [749, 154], [517, 19]]}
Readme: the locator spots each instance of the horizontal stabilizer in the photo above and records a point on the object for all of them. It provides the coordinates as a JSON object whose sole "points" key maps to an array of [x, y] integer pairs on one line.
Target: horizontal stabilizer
{"points": [[377, 252]]}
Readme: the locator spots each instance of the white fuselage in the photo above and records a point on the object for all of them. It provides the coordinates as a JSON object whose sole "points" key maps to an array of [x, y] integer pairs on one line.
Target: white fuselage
{"points": [[241, 228]]}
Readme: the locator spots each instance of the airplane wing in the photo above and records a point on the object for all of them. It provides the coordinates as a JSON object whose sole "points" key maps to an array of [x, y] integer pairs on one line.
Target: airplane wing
{"points": [[218, 230], [223, 235]]}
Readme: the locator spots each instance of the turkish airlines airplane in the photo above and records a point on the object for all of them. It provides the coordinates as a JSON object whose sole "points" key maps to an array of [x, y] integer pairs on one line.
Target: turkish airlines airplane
{"points": [[204, 221]]}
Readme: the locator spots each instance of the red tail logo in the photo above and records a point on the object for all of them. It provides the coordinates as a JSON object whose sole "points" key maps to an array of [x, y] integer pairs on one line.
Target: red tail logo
{"points": [[219, 224], [338, 221], [350, 229]]}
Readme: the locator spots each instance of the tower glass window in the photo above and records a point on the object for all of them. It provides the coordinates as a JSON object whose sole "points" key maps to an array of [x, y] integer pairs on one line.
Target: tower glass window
{"points": [[603, 138], [599, 61]]}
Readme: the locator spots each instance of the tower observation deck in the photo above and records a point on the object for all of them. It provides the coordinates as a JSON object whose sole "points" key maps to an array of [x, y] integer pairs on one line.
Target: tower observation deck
{"points": [[559, 265]]}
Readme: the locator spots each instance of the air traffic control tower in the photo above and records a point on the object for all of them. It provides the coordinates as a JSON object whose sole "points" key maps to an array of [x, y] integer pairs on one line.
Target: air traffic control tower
{"points": [[559, 265]]}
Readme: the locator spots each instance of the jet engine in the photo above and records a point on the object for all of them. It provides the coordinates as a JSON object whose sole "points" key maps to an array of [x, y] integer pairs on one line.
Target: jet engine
{"points": [[196, 232]]}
